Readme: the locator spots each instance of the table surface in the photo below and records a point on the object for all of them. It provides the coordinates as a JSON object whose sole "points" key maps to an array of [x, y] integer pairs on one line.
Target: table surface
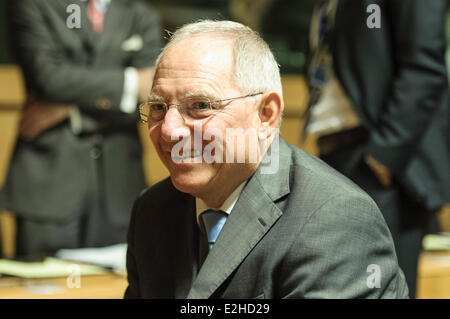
{"points": [[109, 286], [433, 282]]}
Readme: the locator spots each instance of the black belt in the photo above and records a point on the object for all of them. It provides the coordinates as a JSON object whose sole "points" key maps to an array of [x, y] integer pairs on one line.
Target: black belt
{"points": [[332, 142]]}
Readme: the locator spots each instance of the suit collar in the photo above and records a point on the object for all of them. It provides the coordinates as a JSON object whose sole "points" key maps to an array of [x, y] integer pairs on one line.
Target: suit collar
{"points": [[274, 177], [253, 215]]}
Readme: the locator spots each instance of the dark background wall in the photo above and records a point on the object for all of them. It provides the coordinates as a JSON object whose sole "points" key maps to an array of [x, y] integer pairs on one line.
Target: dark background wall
{"points": [[4, 54], [283, 24]]}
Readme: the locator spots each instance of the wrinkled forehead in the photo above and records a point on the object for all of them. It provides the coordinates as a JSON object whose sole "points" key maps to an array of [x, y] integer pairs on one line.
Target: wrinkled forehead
{"points": [[209, 51], [199, 62]]}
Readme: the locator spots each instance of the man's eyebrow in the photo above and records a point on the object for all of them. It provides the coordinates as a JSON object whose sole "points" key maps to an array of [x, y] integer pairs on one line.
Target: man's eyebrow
{"points": [[154, 97], [193, 94], [198, 94]]}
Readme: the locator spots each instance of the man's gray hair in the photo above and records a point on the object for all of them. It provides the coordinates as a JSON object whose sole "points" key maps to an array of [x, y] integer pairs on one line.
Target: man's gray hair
{"points": [[255, 68]]}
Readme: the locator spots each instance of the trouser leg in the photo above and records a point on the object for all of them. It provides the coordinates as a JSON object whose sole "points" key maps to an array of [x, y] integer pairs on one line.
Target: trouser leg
{"points": [[37, 238]]}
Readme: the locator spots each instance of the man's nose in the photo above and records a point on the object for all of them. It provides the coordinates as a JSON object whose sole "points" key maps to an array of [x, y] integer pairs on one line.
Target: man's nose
{"points": [[174, 127]]}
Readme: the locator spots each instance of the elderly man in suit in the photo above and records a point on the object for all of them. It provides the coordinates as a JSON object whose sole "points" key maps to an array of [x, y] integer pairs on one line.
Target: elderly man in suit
{"points": [[77, 165], [281, 225]]}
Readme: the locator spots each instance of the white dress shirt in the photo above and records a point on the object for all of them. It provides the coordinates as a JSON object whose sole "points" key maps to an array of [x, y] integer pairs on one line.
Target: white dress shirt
{"points": [[334, 111], [227, 205]]}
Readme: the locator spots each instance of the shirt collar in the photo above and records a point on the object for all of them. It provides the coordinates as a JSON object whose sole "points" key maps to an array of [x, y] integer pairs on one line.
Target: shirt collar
{"points": [[227, 205], [104, 3]]}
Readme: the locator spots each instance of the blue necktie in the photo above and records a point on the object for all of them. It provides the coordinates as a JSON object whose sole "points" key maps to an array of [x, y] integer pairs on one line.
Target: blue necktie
{"points": [[213, 220]]}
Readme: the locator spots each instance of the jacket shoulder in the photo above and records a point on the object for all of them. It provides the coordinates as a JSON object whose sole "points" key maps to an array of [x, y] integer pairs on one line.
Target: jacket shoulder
{"points": [[311, 173]]}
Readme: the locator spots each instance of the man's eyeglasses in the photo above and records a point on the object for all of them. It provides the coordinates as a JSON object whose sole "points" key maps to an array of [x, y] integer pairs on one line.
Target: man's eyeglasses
{"points": [[195, 108]]}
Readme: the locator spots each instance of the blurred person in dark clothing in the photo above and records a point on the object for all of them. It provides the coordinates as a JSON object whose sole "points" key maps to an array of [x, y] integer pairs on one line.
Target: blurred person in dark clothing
{"points": [[379, 108], [77, 165]]}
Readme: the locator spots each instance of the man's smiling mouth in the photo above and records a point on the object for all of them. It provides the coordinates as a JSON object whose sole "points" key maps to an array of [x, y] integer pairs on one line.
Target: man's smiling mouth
{"points": [[188, 155]]}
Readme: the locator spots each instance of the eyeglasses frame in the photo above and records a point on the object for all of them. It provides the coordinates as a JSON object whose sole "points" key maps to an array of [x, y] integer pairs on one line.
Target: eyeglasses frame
{"points": [[167, 106]]}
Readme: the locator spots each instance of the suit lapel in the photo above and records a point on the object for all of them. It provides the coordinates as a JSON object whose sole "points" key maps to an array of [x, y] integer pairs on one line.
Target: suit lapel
{"points": [[86, 26], [253, 215], [115, 12], [60, 8]]}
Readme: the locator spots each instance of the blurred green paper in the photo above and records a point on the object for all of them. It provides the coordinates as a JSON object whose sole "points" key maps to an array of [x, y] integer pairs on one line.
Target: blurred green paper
{"points": [[436, 242], [50, 267]]}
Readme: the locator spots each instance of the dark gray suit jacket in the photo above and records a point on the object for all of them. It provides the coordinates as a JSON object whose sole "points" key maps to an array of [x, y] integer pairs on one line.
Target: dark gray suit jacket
{"points": [[50, 177], [304, 232]]}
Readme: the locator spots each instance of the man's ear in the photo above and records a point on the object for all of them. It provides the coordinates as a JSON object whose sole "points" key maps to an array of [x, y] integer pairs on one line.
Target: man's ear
{"points": [[270, 112]]}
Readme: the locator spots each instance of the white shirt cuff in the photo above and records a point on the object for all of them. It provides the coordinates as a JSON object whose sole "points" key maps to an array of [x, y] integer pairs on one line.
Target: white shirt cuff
{"points": [[76, 122], [130, 91]]}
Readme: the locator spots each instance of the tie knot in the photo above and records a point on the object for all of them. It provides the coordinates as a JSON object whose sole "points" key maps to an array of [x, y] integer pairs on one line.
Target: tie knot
{"points": [[213, 220]]}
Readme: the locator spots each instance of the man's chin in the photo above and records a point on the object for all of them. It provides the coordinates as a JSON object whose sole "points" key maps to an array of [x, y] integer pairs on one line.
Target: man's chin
{"points": [[188, 182]]}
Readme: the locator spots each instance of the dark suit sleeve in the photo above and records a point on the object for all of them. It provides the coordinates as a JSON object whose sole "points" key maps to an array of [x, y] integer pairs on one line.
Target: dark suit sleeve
{"points": [[148, 25], [340, 252], [418, 40], [46, 69], [132, 291]]}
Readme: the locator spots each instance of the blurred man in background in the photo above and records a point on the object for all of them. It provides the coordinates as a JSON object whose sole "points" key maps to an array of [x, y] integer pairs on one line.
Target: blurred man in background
{"points": [[379, 107], [77, 168]]}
